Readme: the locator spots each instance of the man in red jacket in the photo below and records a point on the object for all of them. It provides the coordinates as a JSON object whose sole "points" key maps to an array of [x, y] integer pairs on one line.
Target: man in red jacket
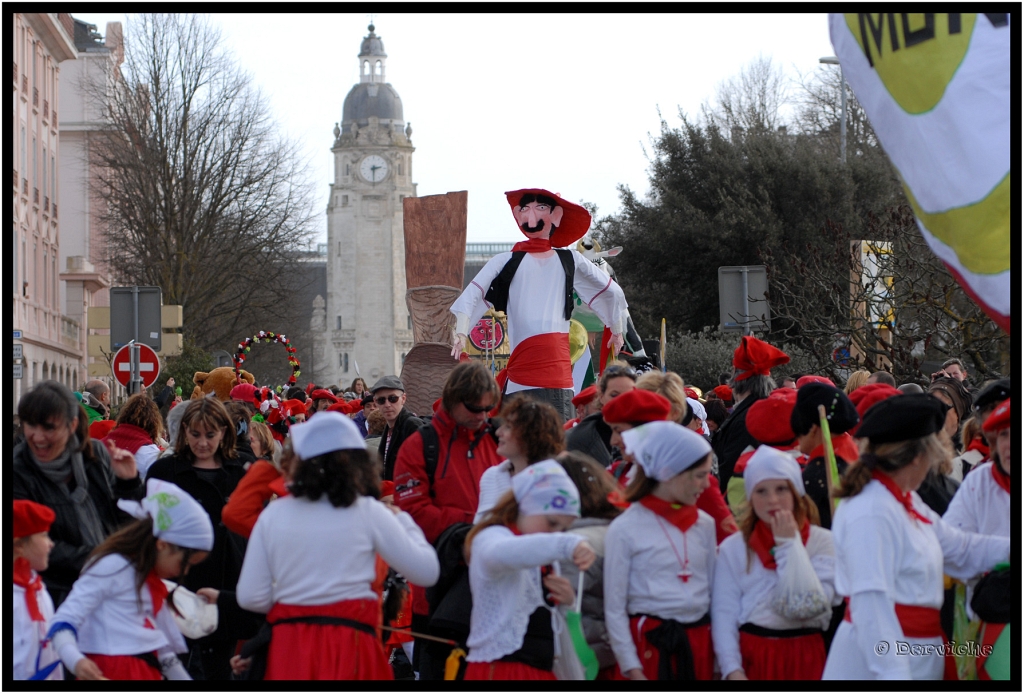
{"points": [[448, 497]]}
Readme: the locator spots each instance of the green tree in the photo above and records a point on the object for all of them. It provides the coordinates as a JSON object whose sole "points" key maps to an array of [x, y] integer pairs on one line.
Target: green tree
{"points": [[184, 366]]}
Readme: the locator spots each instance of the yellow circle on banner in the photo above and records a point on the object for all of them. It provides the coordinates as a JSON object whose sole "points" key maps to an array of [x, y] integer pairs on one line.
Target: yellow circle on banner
{"points": [[915, 54], [978, 233], [577, 340]]}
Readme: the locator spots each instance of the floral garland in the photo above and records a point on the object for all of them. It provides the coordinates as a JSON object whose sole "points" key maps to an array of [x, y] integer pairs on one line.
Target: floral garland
{"points": [[245, 345]]}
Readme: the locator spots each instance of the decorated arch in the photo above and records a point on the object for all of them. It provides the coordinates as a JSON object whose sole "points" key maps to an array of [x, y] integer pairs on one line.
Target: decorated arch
{"points": [[245, 346]]}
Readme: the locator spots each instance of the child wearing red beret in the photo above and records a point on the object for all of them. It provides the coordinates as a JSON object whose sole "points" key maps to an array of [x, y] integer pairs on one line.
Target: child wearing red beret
{"points": [[34, 656]]}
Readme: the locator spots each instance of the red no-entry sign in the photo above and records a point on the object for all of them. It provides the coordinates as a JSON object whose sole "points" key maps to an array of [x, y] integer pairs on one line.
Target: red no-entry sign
{"points": [[149, 365]]}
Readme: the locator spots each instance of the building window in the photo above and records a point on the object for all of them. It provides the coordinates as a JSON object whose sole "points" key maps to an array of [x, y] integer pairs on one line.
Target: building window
{"points": [[46, 179], [15, 266], [402, 362], [53, 278], [344, 198], [409, 322], [35, 168], [24, 155], [46, 284], [53, 177], [343, 362], [339, 323]]}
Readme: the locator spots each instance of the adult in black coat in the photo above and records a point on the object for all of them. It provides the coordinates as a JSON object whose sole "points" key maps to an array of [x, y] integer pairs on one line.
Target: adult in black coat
{"points": [[592, 435], [59, 466], [205, 464], [389, 394]]}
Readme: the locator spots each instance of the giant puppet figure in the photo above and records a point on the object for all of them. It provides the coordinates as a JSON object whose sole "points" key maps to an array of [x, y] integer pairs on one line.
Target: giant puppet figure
{"points": [[533, 284]]}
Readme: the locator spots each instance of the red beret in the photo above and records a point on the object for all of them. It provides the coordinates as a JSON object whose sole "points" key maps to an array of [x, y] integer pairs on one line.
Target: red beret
{"points": [[768, 418], [723, 393], [691, 393], [756, 357], [323, 394], [585, 397], [31, 518], [637, 405], [243, 392], [387, 488], [575, 218], [293, 407], [351, 407], [100, 429], [1000, 418], [867, 395], [804, 380]]}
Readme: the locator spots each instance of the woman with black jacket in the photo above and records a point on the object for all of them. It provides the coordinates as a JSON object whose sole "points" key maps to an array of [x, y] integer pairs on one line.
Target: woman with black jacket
{"points": [[58, 465], [206, 465]]}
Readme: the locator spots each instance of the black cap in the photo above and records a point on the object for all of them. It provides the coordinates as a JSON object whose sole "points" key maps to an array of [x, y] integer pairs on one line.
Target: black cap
{"points": [[994, 392], [904, 418], [388, 382], [840, 412], [367, 398]]}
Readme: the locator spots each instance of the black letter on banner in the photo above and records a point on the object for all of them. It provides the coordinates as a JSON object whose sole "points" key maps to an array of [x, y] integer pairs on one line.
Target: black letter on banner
{"points": [[876, 33], [998, 19], [954, 23], [912, 38]]}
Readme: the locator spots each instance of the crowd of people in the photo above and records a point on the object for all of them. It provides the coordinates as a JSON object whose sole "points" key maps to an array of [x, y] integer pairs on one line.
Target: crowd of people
{"points": [[763, 529]]}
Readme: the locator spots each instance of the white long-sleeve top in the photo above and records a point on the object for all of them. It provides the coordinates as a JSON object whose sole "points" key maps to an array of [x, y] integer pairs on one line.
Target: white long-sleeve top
{"points": [[981, 506], [884, 558], [740, 595], [641, 574], [29, 635], [496, 481], [111, 618], [304, 552], [504, 577], [536, 298]]}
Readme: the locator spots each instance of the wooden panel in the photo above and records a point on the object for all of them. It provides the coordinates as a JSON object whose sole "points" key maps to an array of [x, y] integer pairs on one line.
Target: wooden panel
{"points": [[435, 239], [424, 372], [99, 317]]}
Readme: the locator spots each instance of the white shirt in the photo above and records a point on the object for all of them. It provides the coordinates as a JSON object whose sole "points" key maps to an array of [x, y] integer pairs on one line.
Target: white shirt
{"points": [[146, 456], [981, 506], [28, 635], [111, 618], [644, 555], [496, 481], [504, 577], [536, 298], [883, 558], [304, 552], [741, 595]]}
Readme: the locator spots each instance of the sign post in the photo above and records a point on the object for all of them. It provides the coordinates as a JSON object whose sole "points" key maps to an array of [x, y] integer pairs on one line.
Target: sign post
{"points": [[135, 318], [743, 298]]}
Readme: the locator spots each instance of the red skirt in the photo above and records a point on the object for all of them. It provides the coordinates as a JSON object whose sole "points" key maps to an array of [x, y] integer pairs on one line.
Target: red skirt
{"points": [[502, 670], [302, 651], [125, 667], [782, 658], [700, 646]]}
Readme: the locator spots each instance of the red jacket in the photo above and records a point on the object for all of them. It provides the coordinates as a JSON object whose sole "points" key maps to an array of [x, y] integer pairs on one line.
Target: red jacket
{"points": [[249, 499], [456, 490]]}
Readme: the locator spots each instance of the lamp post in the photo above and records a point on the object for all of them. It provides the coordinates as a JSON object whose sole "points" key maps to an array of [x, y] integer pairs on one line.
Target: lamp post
{"points": [[832, 60]]}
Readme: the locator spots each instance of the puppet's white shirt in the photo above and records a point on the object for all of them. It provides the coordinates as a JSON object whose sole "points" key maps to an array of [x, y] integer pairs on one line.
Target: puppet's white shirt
{"points": [[536, 298]]}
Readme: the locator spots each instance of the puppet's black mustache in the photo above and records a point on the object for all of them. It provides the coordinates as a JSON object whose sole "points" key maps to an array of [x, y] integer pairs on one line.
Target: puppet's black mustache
{"points": [[530, 229]]}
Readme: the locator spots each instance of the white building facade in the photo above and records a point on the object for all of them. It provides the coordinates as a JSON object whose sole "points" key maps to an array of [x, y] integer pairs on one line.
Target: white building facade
{"points": [[52, 343], [364, 322]]}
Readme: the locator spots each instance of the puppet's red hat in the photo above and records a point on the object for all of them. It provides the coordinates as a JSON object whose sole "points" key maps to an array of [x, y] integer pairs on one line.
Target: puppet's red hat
{"points": [[575, 218]]}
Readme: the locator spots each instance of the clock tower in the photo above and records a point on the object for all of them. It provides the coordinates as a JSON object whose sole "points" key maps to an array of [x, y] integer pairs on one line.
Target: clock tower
{"points": [[368, 329]]}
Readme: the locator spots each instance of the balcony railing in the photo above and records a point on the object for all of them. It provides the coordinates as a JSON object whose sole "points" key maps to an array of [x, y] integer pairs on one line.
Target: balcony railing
{"points": [[35, 96], [24, 83], [46, 204], [69, 331], [15, 75], [15, 179], [54, 116]]}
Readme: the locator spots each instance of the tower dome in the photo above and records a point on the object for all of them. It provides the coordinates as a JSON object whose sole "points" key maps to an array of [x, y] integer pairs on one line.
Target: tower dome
{"points": [[373, 96]]}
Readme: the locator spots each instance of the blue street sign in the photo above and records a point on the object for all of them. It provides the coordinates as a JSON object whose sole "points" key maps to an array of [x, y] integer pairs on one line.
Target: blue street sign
{"points": [[17, 334]]}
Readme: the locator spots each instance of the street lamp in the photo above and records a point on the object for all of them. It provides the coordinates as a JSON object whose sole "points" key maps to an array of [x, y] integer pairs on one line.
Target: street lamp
{"points": [[832, 60]]}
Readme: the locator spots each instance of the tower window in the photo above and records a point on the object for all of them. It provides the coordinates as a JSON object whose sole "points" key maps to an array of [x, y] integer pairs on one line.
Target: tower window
{"points": [[346, 169], [409, 321], [344, 198], [339, 323], [343, 362]]}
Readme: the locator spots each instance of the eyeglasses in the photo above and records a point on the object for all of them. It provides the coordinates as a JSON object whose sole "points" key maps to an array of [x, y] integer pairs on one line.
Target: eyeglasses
{"points": [[476, 409], [391, 398], [615, 371]]}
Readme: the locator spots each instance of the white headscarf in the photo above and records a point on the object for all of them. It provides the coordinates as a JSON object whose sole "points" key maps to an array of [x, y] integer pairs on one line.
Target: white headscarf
{"points": [[177, 517], [328, 431], [544, 488], [700, 413], [664, 449], [769, 463]]}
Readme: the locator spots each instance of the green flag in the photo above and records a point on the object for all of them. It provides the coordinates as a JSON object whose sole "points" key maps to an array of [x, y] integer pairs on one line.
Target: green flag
{"points": [[573, 620]]}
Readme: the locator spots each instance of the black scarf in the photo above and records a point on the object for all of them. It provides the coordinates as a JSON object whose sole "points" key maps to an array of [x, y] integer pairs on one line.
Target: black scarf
{"points": [[59, 471]]}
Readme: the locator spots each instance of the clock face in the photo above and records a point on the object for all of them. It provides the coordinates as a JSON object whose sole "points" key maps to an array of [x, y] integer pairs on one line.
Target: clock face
{"points": [[373, 168]]}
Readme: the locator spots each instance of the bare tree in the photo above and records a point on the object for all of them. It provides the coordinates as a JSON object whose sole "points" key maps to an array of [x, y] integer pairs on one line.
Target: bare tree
{"points": [[203, 198], [750, 100], [894, 307]]}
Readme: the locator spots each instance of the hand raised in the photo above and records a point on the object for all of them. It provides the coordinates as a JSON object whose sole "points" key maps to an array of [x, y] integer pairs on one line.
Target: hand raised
{"points": [[784, 524], [584, 556]]}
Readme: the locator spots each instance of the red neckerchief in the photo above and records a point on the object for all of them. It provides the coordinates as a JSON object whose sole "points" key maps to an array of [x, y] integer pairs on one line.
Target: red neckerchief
{"points": [[903, 498], [616, 499], [978, 444], [23, 578], [157, 590], [844, 448], [762, 541], [1002, 479], [679, 515], [533, 246]]}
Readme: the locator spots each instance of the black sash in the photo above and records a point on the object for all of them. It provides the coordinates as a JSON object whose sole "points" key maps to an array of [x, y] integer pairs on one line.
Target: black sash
{"points": [[675, 657], [538, 649], [327, 621], [755, 630], [149, 659]]}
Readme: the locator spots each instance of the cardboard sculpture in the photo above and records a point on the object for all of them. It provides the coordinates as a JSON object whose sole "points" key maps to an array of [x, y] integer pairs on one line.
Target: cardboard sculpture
{"points": [[435, 257]]}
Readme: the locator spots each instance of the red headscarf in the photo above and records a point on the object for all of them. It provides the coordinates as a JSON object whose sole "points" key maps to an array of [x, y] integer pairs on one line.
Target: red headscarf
{"points": [[756, 357]]}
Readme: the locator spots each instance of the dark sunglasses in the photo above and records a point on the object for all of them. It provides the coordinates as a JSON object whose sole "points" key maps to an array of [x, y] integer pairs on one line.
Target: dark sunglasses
{"points": [[616, 370], [391, 398], [477, 410]]}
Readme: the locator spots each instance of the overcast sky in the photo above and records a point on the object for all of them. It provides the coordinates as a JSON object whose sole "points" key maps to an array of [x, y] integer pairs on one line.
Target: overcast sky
{"points": [[500, 101]]}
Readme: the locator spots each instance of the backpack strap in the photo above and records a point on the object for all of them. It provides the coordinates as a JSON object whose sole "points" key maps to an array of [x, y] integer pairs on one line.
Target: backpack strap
{"points": [[569, 266], [497, 293], [430, 452]]}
